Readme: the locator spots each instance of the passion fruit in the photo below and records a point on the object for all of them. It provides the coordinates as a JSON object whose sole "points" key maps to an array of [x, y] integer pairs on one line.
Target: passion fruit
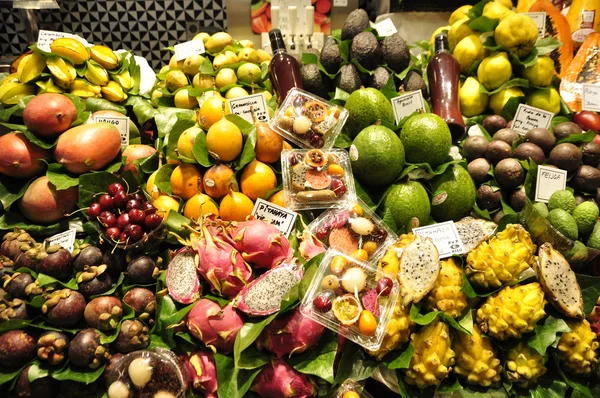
{"points": [[474, 147], [488, 198], [509, 173], [528, 150], [497, 150], [542, 138], [591, 153], [565, 129], [566, 156], [507, 135], [478, 170], [493, 123], [315, 158], [346, 309]]}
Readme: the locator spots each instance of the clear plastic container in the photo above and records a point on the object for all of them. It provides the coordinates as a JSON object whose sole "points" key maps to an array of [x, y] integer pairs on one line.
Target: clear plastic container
{"points": [[350, 386], [353, 227], [309, 121], [342, 291], [316, 179]]}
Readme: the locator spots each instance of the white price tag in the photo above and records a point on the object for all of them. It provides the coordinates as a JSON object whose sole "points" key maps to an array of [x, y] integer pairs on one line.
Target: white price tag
{"points": [[46, 37], [590, 98], [189, 48], [407, 104], [444, 236], [243, 107], [385, 28], [528, 117], [283, 219], [340, 3], [65, 239], [540, 21], [549, 180], [120, 122]]}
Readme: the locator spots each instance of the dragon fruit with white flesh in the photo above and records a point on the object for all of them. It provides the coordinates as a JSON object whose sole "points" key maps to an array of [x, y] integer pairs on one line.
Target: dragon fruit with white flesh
{"points": [[291, 333], [182, 277], [202, 372], [418, 270], [279, 380], [260, 243], [263, 296], [216, 327]]}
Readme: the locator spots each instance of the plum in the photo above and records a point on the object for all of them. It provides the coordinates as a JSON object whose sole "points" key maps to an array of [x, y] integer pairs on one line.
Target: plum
{"points": [[86, 350], [64, 307], [17, 348], [43, 203]]}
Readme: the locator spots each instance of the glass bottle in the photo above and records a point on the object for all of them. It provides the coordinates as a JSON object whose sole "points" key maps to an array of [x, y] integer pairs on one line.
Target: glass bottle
{"points": [[284, 69]]}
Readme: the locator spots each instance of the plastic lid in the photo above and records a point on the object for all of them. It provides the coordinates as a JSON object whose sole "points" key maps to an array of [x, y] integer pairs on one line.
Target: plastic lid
{"points": [[276, 39]]}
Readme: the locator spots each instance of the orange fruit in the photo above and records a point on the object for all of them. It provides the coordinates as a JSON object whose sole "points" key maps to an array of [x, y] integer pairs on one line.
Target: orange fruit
{"points": [[360, 254], [224, 140], [235, 206], [277, 198], [370, 247], [268, 144], [286, 145], [199, 206], [367, 324], [164, 204], [257, 180], [338, 264], [186, 141], [356, 209], [335, 170], [211, 111], [151, 188], [217, 181], [186, 181], [350, 394]]}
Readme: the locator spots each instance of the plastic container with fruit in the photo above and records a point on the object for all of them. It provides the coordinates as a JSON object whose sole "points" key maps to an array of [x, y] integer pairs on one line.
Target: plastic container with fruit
{"points": [[351, 228], [352, 298], [308, 120], [351, 389]]}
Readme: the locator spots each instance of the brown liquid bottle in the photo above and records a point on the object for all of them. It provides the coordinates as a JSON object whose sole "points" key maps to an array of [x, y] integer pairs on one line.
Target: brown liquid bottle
{"points": [[443, 73], [284, 69]]}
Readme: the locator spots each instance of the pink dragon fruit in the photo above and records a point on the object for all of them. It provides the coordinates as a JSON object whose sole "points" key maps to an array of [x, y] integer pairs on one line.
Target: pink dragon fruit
{"points": [[201, 369], [310, 245], [221, 265], [280, 380], [215, 326], [263, 296], [290, 333], [369, 300], [260, 243], [182, 277]]}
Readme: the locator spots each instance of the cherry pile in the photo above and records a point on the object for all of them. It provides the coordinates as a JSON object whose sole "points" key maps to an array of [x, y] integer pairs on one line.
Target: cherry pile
{"points": [[127, 218]]}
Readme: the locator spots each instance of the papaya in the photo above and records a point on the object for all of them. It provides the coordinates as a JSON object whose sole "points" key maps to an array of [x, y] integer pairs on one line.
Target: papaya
{"points": [[584, 69], [557, 27]]}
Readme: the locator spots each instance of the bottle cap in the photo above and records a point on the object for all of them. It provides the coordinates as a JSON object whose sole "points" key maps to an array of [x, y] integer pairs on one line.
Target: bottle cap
{"points": [[276, 39], [441, 42]]}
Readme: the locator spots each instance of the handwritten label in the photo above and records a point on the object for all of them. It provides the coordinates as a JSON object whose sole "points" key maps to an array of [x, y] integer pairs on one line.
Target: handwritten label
{"points": [[407, 104], [46, 37], [242, 107], [65, 239], [549, 180], [283, 219], [590, 99], [120, 122], [385, 28], [189, 48], [528, 117], [540, 21], [340, 3], [444, 236]]}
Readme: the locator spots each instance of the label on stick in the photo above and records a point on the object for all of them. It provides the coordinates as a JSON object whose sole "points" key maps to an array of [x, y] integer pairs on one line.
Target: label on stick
{"points": [[120, 122], [189, 48], [549, 180], [283, 219], [540, 21], [65, 239], [529, 117], [445, 237], [243, 107], [590, 99], [407, 104], [385, 28], [46, 37]]}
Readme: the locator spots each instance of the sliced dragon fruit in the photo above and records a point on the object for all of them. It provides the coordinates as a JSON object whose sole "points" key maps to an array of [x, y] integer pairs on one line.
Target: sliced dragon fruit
{"points": [[182, 277], [369, 301]]}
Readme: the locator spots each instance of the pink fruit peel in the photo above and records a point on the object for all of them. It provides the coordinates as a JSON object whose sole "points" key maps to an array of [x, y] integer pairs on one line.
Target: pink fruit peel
{"points": [[216, 327], [182, 277], [202, 372], [279, 380]]}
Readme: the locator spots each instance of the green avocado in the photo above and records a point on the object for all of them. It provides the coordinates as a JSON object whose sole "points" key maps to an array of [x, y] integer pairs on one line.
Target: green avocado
{"points": [[453, 193], [365, 107]]}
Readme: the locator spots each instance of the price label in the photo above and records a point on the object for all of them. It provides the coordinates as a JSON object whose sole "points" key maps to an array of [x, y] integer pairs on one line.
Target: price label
{"points": [[444, 236], [590, 98], [65, 239], [549, 180], [189, 48], [244, 106], [528, 117], [120, 122], [540, 21], [340, 3], [385, 28], [283, 219], [407, 104], [46, 37]]}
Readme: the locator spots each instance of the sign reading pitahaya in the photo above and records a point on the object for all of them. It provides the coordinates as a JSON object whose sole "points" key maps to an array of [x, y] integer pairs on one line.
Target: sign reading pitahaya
{"points": [[281, 218]]}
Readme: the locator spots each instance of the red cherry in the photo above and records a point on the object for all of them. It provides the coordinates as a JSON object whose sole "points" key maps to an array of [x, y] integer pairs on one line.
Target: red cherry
{"points": [[138, 196], [120, 199], [134, 232], [115, 187], [137, 216], [113, 233], [152, 221], [123, 237], [338, 187], [107, 219], [123, 220], [148, 208], [322, 303], [133, 204], [384, 286], [107, 202], [94, 210]]}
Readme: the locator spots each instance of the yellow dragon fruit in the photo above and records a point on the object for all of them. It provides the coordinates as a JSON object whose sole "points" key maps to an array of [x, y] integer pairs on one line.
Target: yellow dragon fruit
{"points": [[446, 295], [389, 264], [432, 358], [476, 359], [512, 311], [524, 365], [397, 331], [577, 349], [502, 259]]}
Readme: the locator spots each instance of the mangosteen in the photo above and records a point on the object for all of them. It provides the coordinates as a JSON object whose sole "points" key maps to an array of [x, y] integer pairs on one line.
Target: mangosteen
{"points": [[591, 153], [104, 312], [20, 285], [509, 173], [29, 259], [44, 387], [498, 216], [16, 242], [86, 351], [142, 301], [474, 147], [16, 348], [497, 150], [94, 280], [64, 307], [493, 123], [488, 198], [116, 262], [56, 262], [566, 156], [479, 169], [6, 265], [528, 150], [52, 347], [507, 135], [15, 309], [142, 270], [88, 255], [565, 129], [542, 138], [518, 199], [75, 389], [132, 337], [587, 179], [110, 365]]}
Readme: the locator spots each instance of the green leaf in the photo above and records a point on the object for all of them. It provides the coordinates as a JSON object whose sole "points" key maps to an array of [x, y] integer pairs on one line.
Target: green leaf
{"points": [[36, 372], [311, 268], [60, 178], [355, 364], [14, 220], [233, 382], [166, 118], [181, 125], [248, 153], [580, 390], [207, 67], [341, 95], [477, 10], [556, 120], [547, 45], [163, 178], [248, 334], [389, 90], [343, 140], [510, 108], [82, 376], [467, 288], [252, 358], [422, 320], [200, 151], [6, 113], [483, 24], [517, 82], [45, 280], [309, 58], [401, 361], [8, 375], [142, 109], [11, 190], [547, 335], [30, 136], [319, 360], [92, 184], [464, 324], [579, 138], [360, 68], [490, 44], [100, 104], [590, 290]]}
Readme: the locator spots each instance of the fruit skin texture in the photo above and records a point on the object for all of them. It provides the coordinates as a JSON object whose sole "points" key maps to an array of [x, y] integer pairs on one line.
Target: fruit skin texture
{"points": [[215, 326], [421, 145], [502, 259], [405, 201], [186, 141], [512, 311], [49, 114], [494, 71], [202, 371], [217, 181], [199, 206], [20, 157], [524, 365], [577, 349], [460, 194], [365, 106], [280, 380], [224, 140], [476, 358], [16, 348], [517, 33], [257, 180], [186, 181], [397, 332], [135, 152], [88, 147], [432, 357], [418, 269], [43, 203], [268, 144], [446, 295]]}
